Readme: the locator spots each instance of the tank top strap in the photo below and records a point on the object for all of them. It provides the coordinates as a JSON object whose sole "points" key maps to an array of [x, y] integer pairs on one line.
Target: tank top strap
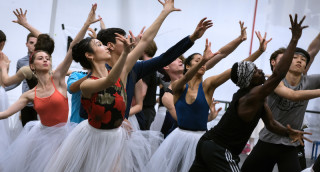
{"points": [[53, 83]]}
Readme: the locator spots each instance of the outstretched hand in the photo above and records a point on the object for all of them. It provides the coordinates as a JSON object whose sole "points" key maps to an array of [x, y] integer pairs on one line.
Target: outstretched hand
{"points": [[92, 15], [201, 28], [297, 135], [127, 43], [213, 110], [207, 54], [243, 35], [93, 33], [21, 17], [168, 5], [296, 27], [263, 41], [136, 39]]}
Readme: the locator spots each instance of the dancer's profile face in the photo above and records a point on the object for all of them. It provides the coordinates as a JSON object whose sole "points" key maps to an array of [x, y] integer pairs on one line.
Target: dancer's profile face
{"points": [[100, 51], [258, 77], [176, 65], [196, 59]]}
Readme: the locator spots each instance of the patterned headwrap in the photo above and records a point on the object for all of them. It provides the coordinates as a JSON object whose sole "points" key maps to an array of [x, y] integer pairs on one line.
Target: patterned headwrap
{"points": [[245, 72]]}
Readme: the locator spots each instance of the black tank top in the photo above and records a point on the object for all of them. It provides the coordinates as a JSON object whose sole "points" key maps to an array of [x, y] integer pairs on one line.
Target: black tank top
{"points": [[232, 132]]}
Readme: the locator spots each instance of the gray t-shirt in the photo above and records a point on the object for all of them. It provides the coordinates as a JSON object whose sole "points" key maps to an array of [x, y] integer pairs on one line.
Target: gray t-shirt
{"points": [[289, 112]]}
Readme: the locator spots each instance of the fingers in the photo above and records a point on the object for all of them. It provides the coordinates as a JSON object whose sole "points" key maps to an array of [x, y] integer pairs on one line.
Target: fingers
{"points": [[307, 139], [295, 18], [301, 142], [269, 40], [304, 17], [142, 30], [307, 133], [291, 21], [161, 2], [219, 109], [201, 21]]}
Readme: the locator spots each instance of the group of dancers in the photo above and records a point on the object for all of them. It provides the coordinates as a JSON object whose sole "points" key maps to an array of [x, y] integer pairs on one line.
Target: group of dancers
{"points": [[102, 135]]}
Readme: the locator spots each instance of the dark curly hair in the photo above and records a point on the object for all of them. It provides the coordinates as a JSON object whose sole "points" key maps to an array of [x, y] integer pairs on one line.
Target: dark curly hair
{"points": [[45, 43], [234, 71], [79, 50], [108, 35]]}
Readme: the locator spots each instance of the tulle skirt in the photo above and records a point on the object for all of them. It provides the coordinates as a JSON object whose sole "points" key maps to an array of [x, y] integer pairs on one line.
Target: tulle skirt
{"points": [[10, 127], [91, 149], [308, 170], [176, 153], [157, 123], [134, 122], [34, 147]]}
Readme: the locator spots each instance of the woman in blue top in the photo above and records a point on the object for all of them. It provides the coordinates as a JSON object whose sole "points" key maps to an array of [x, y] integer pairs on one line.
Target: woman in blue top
{"points": [[192, 97]]}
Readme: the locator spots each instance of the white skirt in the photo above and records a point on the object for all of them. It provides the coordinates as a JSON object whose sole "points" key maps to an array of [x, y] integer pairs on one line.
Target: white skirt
{"points": [[91, 149], [11, 127], [176, 153], [134, 122], [157, 123], [34, 147]]}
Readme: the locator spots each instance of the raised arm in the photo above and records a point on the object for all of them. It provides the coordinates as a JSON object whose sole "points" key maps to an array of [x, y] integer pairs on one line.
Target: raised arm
{"points": [[262, 47], [251, 102], [275, 127], [178, 85], [23, 73], [217, 80], [282, 68], [63, 67], [22, 20], [313, 50], [296, 95], [88, 87], [150, 33], [229, 48]]}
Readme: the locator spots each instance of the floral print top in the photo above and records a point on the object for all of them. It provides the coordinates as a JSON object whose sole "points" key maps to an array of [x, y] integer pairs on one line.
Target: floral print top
{"points": [[106, 108]]}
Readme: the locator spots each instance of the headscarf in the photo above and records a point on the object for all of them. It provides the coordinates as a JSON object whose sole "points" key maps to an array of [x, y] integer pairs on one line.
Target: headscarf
{"points": [[245, 72]]}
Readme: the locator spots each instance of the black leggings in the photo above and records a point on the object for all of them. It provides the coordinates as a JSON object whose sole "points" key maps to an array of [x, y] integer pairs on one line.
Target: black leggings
{"points": [[265, 155], [28, 114], [214, 158]]}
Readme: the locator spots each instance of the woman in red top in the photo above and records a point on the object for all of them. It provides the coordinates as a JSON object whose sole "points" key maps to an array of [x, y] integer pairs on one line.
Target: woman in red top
{"points": [[99, 143], [39, 140]]}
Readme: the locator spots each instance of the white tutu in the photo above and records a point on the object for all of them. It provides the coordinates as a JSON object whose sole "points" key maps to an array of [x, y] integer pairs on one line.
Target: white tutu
{"points": [[176, 153], [10, 127], [34, 147], [308, 170], [134, 122], [91, 149], [157, 123]]}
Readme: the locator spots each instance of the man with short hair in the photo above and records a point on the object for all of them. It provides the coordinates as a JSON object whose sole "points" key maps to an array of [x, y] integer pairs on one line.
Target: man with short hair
{"points": [[287, 108]]}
